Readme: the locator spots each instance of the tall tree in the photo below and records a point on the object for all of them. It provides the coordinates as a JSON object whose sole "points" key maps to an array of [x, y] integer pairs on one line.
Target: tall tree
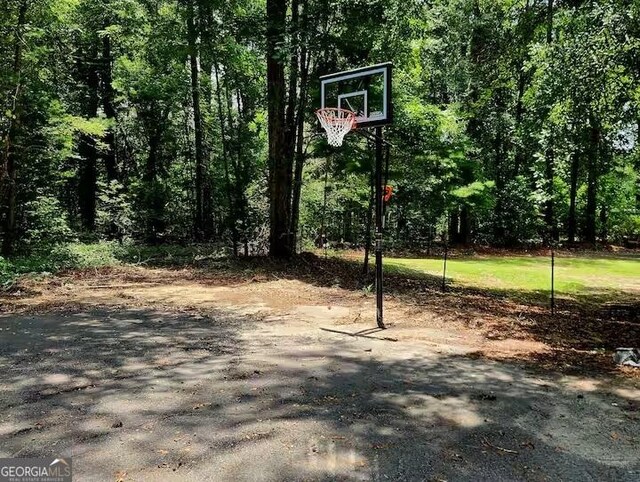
{"points": [[88, 150], [108, 105], [194, 59], [280, 238], [8, 166]]}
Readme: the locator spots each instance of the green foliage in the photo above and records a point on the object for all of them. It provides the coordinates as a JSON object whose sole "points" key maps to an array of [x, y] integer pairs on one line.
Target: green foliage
{"points": [[115, 213], [347, 199], [619, 188], [95, 127], [46, 225], [475, 192], [62, 257], [7, 273], [96, 255], [506, 115]]}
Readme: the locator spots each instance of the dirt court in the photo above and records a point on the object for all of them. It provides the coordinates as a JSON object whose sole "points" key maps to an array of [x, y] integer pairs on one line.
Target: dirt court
{"points": [[171, 374]]}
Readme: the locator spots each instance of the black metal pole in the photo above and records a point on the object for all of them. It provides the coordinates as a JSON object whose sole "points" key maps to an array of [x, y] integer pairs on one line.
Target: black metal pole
{"points": [[379, 228], [323, 234], [367, 234], [553, 269], [446, 252]]}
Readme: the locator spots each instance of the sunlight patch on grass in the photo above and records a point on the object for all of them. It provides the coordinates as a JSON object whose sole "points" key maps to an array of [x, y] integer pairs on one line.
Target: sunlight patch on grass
{"points": [[531, 273]]}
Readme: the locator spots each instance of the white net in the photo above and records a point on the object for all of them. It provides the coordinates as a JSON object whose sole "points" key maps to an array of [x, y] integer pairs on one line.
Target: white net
{"points": [[336, 122]]}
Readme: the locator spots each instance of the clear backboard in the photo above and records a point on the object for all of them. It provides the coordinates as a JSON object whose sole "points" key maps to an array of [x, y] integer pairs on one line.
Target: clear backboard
{"points": [[365, 91]]}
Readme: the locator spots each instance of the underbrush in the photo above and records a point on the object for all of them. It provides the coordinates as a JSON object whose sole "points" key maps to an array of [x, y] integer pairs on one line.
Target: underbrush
{"points": [[172, 254], [59, 258], [101, 254]]}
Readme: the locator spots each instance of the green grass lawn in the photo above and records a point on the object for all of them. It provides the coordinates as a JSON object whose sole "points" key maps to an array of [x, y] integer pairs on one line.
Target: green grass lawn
{"points": [[533, 273]]}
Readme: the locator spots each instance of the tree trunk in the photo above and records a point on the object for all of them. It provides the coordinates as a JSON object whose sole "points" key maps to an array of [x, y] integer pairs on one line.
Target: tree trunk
{"points": [[519, 156], [523, 80], [549, 215], [109, 110], [192, 33], [8, 166], [454, 225], [88, 171], [155, 199], [503, 236], [292, 89], [155, 206], [549, 21], [592, 181], [367, 233], [459, 226], [225, 162], [604, 215], [464, 236], [305, 60], [243, 176], [207, 29], [297, 182], [638, 169], [549, 155], [573, 193], [235, 156], [280, 239], [10, 215]]}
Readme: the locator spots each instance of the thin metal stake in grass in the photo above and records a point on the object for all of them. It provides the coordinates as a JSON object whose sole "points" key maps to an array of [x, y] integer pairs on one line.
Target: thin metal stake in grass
{"points": [[553, 269], [446, 250]]}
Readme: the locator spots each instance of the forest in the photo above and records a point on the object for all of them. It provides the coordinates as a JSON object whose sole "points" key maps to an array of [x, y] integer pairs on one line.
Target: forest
{"points": [[192, 121], [191, 276]]}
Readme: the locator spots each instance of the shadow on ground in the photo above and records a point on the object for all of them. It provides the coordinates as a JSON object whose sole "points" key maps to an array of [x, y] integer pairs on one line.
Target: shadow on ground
{"points": [[583, 330], [88, 356], [139, 394]]}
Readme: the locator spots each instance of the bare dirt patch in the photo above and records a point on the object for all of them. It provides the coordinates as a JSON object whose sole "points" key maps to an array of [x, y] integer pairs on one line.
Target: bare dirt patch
{"points": [[328, 291]]}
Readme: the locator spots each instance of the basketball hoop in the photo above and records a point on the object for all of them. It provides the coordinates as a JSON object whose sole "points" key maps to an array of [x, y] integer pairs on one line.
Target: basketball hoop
{"points": [[336, 122]]}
